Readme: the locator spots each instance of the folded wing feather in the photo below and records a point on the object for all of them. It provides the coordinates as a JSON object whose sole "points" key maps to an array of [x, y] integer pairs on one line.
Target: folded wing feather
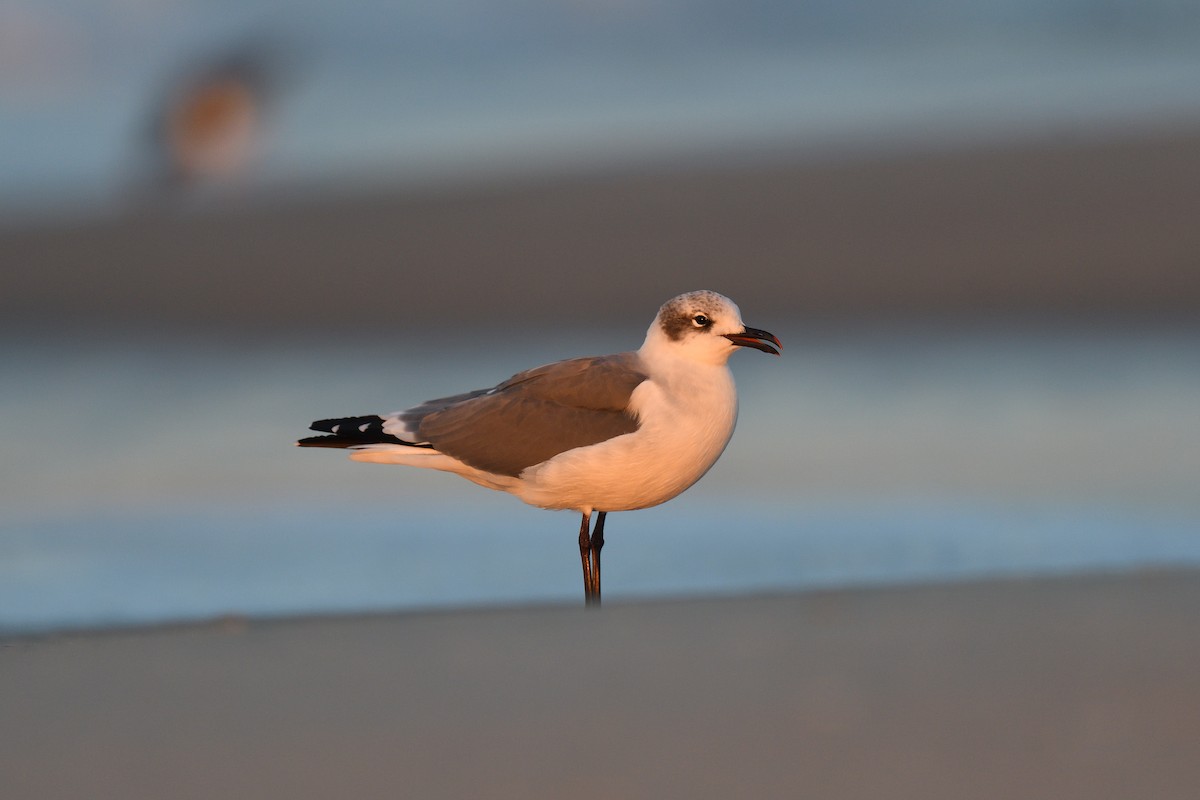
{"points": [[535, 415]]}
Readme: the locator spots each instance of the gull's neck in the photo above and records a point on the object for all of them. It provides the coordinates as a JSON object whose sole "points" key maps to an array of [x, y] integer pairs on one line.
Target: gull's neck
{"points": [[661, 353]]}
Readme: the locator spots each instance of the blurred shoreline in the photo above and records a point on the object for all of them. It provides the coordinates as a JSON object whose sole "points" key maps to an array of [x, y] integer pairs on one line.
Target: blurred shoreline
{"points": [[1088, 226], [991, 366]]}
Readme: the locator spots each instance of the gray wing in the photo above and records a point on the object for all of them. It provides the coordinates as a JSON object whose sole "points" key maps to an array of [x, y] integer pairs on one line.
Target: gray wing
{"points": [[534, 415]]}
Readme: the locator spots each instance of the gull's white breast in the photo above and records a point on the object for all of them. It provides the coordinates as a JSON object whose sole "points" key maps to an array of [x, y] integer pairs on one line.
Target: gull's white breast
{"points": [[686, 417]]}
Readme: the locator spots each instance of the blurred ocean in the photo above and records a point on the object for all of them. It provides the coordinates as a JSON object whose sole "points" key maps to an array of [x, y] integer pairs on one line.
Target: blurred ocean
{"points": [[154, 479], [370, 92], [151, 477]]}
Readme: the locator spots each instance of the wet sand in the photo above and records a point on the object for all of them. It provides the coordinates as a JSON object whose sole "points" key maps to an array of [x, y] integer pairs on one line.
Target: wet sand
{"points": [[1055, 688], [1077, 225]]}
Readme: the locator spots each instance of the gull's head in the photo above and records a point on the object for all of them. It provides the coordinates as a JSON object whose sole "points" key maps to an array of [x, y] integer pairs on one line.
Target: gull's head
{"points": [[704, 326]]}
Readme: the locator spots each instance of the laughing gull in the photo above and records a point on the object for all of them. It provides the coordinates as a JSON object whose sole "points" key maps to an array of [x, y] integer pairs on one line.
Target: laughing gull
{"points": [[593, 435]]}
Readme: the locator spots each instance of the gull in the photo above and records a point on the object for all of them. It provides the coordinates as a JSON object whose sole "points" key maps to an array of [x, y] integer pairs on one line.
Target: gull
{"points": [[593, 435]]}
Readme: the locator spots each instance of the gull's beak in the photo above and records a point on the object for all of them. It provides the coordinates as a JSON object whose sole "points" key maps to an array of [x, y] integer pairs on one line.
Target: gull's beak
{"points": [[753, 337]]}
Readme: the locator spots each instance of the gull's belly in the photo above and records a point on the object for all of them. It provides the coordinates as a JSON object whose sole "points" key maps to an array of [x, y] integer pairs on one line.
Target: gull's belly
{"points": [[675, 445]]}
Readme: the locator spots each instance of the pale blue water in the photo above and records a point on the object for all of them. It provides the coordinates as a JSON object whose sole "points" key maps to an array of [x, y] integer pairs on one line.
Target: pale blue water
{"points": [[105, 569], [429, 92], [150, 480]]}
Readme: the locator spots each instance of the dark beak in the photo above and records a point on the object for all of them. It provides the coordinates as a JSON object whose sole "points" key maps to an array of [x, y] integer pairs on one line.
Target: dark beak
{"points": [[753, 337]]}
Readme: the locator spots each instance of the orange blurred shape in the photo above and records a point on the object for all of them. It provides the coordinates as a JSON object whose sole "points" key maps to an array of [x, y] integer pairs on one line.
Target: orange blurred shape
{"points": [[212, 127]]}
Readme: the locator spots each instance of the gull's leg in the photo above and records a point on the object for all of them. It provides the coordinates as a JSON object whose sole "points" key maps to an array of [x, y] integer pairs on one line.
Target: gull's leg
{"points": [[585, 556], [597, 544]]}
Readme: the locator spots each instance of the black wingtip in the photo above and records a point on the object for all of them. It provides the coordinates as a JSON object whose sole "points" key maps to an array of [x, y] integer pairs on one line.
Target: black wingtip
{"points": [[346, 432], [326, 441]]}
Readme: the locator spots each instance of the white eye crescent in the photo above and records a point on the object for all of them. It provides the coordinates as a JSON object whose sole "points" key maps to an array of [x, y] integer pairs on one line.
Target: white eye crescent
{"points": [[701, 321]]}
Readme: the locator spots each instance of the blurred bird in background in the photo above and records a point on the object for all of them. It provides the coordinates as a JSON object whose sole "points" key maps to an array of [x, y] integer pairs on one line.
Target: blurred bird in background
{"points": [[207, 124]]}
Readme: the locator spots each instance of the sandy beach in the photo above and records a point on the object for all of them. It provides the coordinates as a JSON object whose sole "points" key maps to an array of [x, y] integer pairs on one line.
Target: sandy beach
{"points": [[1070, 224], [1056, 688]]}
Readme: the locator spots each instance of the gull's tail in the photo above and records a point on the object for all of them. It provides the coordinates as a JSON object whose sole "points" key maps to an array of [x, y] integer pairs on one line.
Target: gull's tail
{"points": [[352, 432]]}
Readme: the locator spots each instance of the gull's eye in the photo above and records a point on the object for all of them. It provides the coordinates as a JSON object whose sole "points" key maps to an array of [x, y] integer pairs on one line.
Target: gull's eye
{"points": [[701, 321]]}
